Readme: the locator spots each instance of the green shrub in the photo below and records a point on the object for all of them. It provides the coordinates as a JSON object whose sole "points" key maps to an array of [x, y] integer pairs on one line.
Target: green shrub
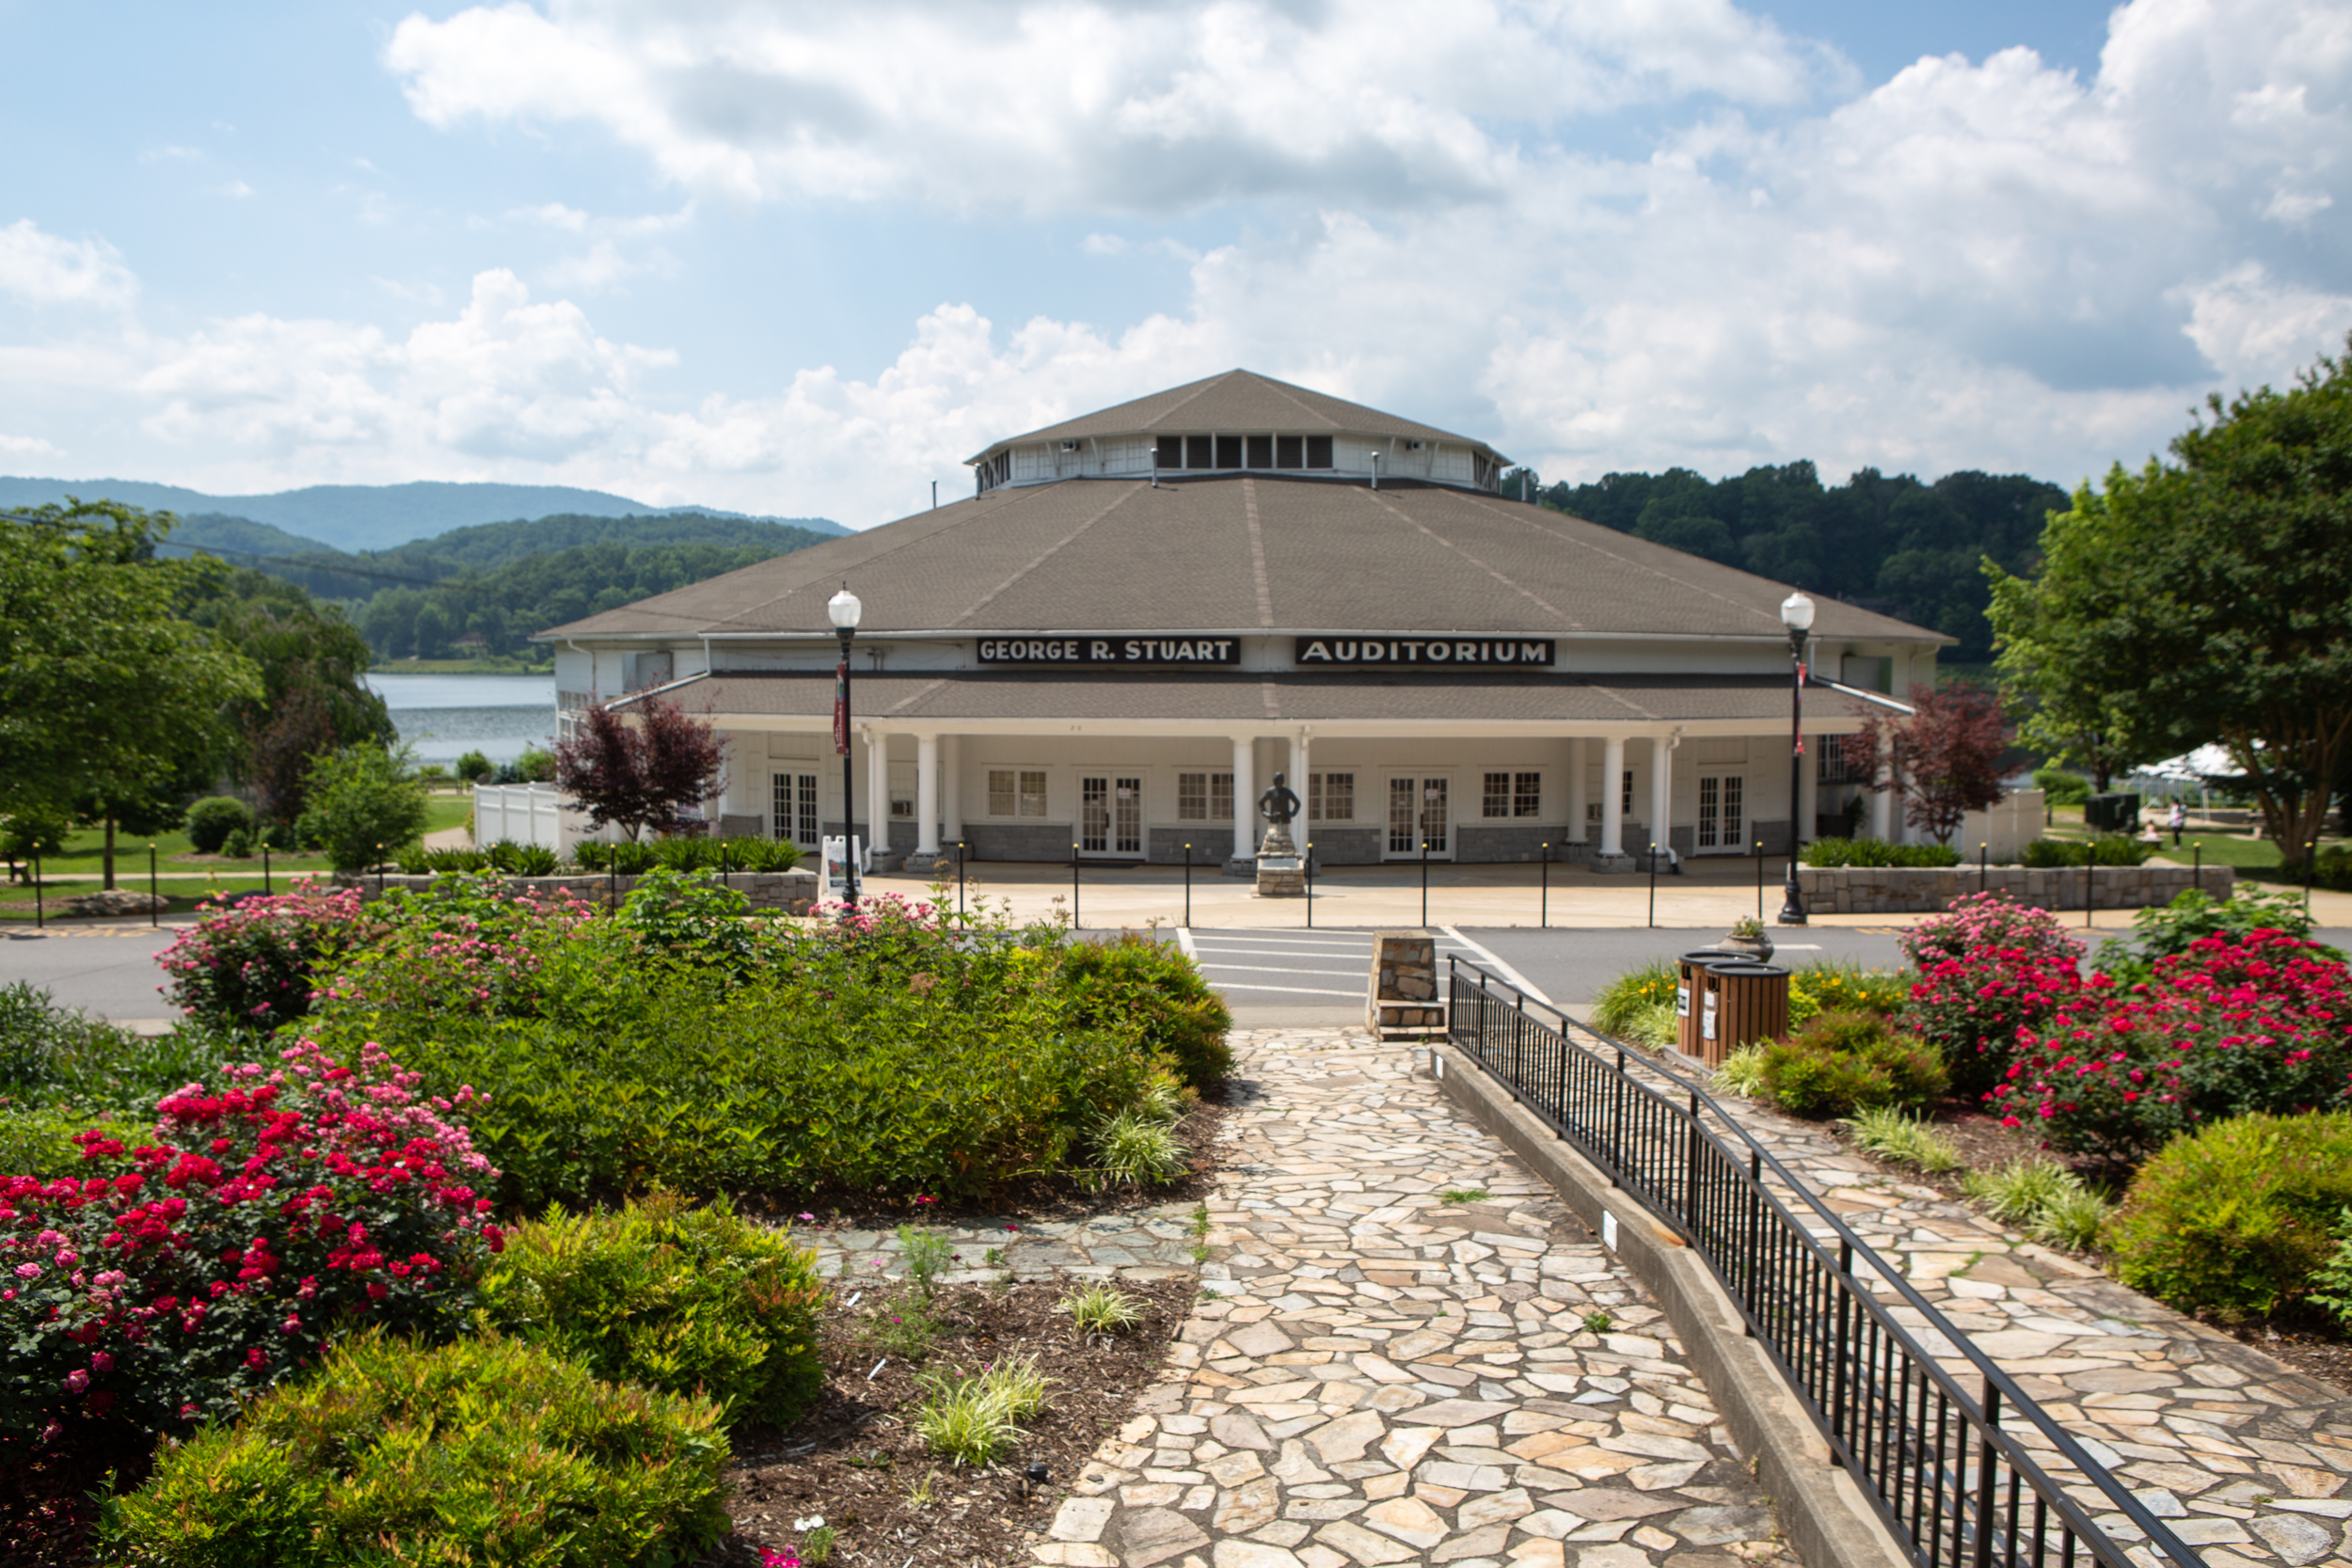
{"points": [[1841, 1063], [2049, 854], [2237, 1216], [39, 1142], [2168, 930], [675, 1297], [2331, 1285], [520, 859], [362, 798], [2061, 787], [474, 767], [1877, 852], [626, 858], [1620, 1000], [484, 1450], [240, 846], [56, 1059], [2333, 868], [212, 819], [1132, 982], [1836, 985]]}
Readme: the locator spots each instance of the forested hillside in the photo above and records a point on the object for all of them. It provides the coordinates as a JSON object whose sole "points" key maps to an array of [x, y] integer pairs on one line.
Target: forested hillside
{"points": [[1891, 543], [486, 589]]}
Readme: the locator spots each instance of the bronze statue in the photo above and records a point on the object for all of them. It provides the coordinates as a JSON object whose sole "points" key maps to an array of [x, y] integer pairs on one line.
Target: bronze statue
{"points": [[1280, 804]]}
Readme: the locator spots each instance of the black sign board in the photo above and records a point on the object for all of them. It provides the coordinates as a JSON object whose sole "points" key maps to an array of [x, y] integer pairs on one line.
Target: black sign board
{"points": [[1065, 648], [1423, 652]]}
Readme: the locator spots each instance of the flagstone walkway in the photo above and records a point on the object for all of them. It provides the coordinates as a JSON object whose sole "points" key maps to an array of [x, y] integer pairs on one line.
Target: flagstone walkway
{"points": [[1389, 1377]]}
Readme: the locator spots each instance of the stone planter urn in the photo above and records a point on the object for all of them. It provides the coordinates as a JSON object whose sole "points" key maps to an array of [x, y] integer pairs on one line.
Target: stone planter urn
{"points": [[1755, 942]]}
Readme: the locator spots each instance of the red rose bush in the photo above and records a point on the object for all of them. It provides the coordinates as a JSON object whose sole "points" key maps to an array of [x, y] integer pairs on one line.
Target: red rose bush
{"points": [[2229, 1028], [176, 1278], [1988, 969]]}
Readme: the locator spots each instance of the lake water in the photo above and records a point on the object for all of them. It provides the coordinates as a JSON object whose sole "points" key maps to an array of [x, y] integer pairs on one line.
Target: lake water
{"points": [[446, 716]]}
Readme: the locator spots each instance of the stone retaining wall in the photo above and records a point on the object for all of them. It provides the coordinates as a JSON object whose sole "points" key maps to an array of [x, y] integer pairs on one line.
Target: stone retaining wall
{"points": [[787, 892], [1863, 890]]}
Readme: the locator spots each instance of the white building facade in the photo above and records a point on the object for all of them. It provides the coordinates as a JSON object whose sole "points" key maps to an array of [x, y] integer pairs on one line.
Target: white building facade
{"points": [[1145, 615]]}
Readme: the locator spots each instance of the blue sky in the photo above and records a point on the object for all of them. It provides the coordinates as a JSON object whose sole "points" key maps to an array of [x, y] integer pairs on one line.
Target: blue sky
{"points": [[802, 259]]}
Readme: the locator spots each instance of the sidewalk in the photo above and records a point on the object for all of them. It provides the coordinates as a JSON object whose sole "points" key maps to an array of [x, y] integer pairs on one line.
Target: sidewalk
{"points": [[1708, 893], [1388, 1378]]}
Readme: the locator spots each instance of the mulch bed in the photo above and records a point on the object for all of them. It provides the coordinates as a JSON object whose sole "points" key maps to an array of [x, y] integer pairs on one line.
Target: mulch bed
{"points": [[857, 1463]]}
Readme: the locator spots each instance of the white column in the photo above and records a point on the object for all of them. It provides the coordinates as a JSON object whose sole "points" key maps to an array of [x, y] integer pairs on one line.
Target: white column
{"points": [[1883, 817], [1661, 789], [1298, 771], [1809, 784], [1611, 795], [1245, 799], [1576, 792], [926, 795], [951, 787], [876, 789]]}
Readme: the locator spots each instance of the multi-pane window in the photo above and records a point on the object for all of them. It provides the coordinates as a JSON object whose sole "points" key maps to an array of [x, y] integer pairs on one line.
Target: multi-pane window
{"points": [[1833, 761], [793, 807], [1625, 803], [1330, 797], [1204, 797], [1514, 795], [1016, 792]]}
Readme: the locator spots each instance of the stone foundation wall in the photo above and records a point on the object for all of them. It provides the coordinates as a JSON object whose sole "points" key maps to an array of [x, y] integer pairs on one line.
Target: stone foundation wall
{"points": [[1859, 890]]}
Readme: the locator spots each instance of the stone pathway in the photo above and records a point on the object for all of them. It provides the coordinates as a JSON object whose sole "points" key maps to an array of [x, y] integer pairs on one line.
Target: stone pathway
{"points": [[2247, 1460], [1386, 1377], [1143, 1244]]}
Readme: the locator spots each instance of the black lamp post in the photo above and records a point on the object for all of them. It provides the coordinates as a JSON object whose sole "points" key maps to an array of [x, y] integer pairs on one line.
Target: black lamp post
{"points": [[1796, 613], [845, 609]]}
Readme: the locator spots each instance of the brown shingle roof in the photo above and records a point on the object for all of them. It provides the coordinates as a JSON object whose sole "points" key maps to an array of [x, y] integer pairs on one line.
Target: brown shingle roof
{"points": [[1122, 556], [1238, 401]]}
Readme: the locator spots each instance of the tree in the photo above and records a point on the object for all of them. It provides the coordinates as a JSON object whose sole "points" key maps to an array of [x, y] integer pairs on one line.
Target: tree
{"points": [[365, 801], [2210, 599], [642, 774], [107, 693], [1945, 760]]}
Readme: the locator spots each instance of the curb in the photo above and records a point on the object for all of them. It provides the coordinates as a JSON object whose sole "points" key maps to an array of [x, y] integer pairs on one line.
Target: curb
{"points": [[1821, 1509]]}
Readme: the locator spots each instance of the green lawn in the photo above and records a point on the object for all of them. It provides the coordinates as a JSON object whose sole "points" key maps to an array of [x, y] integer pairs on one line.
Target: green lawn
{"points": [[504, 664], [85, 850]]}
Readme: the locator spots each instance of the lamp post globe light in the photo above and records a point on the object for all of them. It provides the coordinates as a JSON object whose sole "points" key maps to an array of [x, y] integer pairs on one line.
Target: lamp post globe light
{"points": [[1796, 613], [845, 609]]}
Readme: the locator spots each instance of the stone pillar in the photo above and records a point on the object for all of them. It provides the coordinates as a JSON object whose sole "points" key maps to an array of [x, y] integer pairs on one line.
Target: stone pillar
{"points": [[951, 787], [1661, 789], [1612, 855], [1809, 784], [1245, 805], [1576, 792], [926, 795]]}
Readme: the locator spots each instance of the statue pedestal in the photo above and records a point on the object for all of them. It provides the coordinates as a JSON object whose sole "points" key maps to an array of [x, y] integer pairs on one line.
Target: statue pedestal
{"points": [[1281, 869]]}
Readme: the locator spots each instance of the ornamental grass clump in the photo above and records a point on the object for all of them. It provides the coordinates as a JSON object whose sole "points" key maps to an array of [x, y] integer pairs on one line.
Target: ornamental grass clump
{"points": [[488, 1449], [2225, 1029], [675, 1296], [173, 1279]]}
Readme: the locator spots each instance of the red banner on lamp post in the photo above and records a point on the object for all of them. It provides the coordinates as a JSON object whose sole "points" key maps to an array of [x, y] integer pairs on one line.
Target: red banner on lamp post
{"points": [[841, 710]]}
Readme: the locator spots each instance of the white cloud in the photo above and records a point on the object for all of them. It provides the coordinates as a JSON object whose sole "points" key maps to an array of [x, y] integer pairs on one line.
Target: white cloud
{"points": [[1042, 104], [40, 268], [15, 447]]}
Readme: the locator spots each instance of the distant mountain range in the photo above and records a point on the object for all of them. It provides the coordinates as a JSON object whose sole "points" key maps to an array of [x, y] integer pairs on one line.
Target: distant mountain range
{"points": [[353, 517]]}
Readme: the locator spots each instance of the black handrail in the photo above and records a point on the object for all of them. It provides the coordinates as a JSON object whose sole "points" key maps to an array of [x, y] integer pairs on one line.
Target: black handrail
{"points": [[1944, 1466]]}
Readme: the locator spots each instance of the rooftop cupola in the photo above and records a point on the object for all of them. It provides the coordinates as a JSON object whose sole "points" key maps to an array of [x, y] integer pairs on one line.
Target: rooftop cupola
{"points": [[1240, 423]]}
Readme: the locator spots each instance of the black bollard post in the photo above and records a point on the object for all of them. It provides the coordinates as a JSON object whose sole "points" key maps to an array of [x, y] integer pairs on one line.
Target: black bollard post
{"points": [[154, 916], [1074, 889], [1984, 852], [613, 882], [379, 871], [959, 878], [2197, 875], [40, 918], [1543, 909], [1759, 875], [2091, 859], [1187, 887], [1653, 886], [1425, 882], [724, 881], [266, 887], [1311, 885]]}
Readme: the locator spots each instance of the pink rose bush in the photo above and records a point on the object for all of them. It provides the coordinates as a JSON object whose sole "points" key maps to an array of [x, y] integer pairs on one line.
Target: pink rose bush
{"points": [[177, 1277], [250, 966], [1988, 969], [2231, 1027]]}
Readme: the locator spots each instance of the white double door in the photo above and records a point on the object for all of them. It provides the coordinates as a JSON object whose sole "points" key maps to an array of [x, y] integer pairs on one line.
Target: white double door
{"points": [[1421, 811], [1110, 814], [1723, 822]]}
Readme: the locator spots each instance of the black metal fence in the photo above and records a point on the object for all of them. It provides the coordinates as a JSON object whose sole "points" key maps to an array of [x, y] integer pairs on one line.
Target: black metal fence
{"points": [[1944, 1448]]}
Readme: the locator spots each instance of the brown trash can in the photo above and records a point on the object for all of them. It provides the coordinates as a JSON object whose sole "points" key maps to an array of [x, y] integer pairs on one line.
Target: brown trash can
{"points": [[1689, 968], [1742, 1002]]}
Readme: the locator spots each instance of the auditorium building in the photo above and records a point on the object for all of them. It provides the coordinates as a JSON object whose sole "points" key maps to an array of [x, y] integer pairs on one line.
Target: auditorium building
{"points": [[1142, 614]]}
